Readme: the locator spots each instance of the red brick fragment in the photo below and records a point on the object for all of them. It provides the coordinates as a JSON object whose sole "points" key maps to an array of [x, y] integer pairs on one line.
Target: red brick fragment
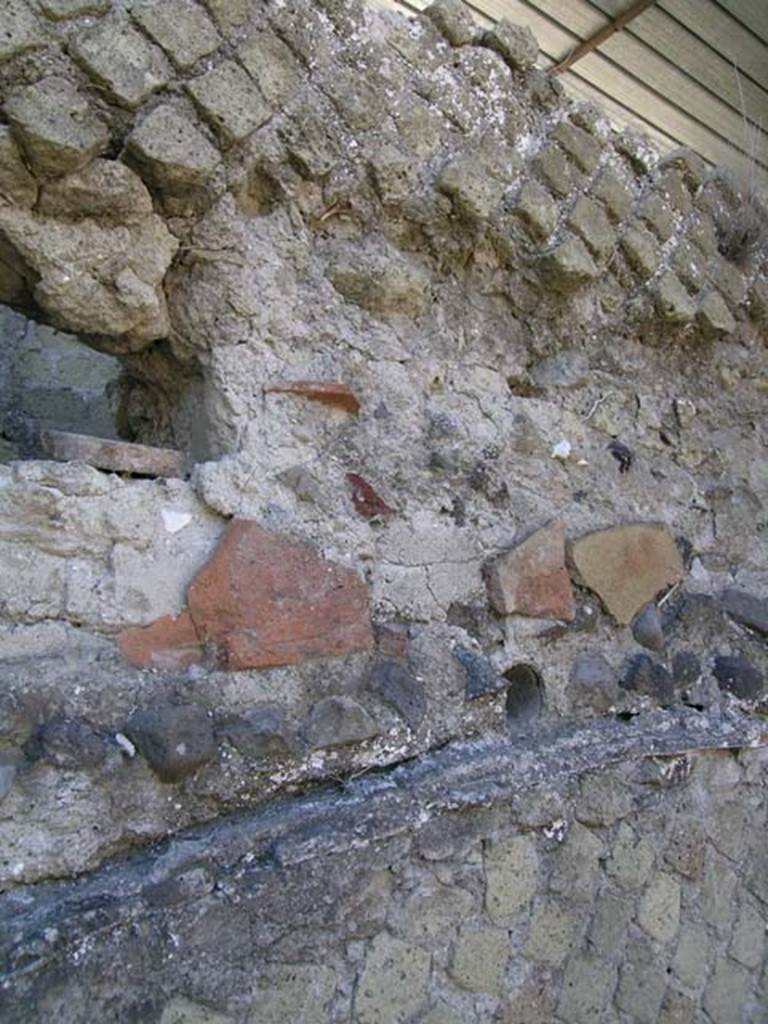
{"points": [[265, 600], [170, 642], [531, 578], [366, 500], [324, 391]]}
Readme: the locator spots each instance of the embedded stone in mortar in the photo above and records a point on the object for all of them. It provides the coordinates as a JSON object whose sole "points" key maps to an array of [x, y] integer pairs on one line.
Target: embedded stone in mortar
{"points": [[627, 566], [531, 578], [265, 600]]}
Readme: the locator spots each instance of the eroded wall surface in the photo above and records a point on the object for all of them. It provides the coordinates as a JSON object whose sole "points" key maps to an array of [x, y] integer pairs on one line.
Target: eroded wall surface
{"points": [[435, 690]]}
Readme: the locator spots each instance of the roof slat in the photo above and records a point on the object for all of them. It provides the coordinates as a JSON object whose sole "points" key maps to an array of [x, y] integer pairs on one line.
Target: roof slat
{"points": [[662, 78], [753, 14], [717, 28], [660, 31]]}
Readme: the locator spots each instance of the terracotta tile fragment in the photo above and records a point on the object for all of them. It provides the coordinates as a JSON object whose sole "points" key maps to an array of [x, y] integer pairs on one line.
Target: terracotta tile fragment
{"points": [[326, 392], [265, 600], [366, 500], [170, 642], [531, 578]]}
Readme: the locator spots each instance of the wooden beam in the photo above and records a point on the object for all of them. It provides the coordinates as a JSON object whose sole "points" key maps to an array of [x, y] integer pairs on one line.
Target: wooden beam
{"points": [[614, 26]]}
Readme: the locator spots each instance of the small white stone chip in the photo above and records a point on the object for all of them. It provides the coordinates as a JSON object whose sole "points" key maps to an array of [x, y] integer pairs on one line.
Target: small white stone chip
{"points": [[174, 520], [562, 450], [125, 744]]}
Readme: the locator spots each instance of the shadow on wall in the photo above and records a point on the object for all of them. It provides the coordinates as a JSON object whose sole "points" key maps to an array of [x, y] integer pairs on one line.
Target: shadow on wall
{"points": [[53, 379]]}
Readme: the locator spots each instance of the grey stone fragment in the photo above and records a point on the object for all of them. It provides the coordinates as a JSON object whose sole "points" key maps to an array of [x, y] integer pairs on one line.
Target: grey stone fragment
{"points": [[55, 126], [68, 743], [272, 66], [181, 27], [516, 44], [616, 195], [122, 60], [647, 629], [593, 682], [576, 864], [396, 686], [229, 14], [718, 892], [175, 740], [104, 189], [589, 220], [641, 249], [642, 982], [61, 10], [678, 1008], [749, 936], [726, 990], [537, 209], [260, 732], [557, 171], [568, 266], [453, 20], [171, 152], [686, 668], [659, 909], [552, 933], [641, 674], [17, 185], [692, 956], [470, 182], [230, 101], [686, 846], [337, 721], [747, 609], [673, 303], [737, 675], [603, 800], [392, 986], [658, 216], [382, 281], [714, 316], [583, 147], [21, 31], [631, 859], [480, 959], [586, 989], [181, 1010], [7, 775], [608, 927], [511, 876], [295, 992], [481, 678]]}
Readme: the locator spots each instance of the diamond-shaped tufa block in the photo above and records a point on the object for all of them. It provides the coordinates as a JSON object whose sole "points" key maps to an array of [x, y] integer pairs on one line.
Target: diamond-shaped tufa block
{"points": [[55, 126], [230, 101], [122, 61], [181, 27]]}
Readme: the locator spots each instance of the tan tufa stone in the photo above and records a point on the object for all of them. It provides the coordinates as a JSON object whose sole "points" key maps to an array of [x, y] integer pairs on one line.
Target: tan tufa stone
{"points": [[628, 566], [265, 600], [531, 579]]}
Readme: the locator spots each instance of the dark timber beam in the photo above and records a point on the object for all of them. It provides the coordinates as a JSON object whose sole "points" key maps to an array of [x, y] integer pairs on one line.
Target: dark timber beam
{"points": [[616, 25]]}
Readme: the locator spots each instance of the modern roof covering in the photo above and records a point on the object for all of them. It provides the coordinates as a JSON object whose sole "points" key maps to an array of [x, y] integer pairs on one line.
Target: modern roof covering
{"points": [[686, 72]]}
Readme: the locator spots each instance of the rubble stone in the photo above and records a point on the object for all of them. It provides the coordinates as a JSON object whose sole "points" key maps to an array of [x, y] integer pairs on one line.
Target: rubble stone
{"points": [[453, 20], [392, 986], [55, 126], [336, 721], [628, 566], [516, 44], [175, 740]]}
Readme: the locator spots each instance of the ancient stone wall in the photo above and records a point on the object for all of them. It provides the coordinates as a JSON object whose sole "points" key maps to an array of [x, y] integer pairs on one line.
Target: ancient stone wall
{"points": [[432, 688]]}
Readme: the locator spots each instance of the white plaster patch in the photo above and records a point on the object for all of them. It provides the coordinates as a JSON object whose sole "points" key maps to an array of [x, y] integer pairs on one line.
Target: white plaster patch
{"points": [[173, 520]]}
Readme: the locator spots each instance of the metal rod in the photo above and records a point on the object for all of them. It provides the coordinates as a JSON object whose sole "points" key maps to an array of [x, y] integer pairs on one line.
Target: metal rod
{"points": [[613, 26]]}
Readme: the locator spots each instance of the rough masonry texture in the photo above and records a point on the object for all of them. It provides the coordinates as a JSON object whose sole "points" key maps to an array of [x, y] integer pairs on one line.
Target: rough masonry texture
{"points": [[395, 653]]}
